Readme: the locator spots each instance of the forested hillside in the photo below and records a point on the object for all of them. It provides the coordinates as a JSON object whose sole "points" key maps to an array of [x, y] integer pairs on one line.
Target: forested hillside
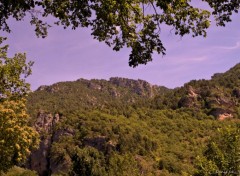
{"points": [[130, 127], [218, 97], [118, 95]]}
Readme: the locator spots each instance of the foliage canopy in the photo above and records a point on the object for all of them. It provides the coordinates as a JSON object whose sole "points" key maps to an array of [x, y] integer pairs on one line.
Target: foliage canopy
{"points": [[124, 126], [132, 23], [16, 137], [222, 155]]}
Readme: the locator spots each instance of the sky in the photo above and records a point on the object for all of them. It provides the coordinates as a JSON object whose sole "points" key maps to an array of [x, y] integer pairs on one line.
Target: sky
{"points": [[67, 55]]}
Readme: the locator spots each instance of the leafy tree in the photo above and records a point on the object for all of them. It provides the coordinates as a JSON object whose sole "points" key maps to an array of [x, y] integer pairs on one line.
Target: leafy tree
{"points": [[18, 171], [222, 156], [88, 162], [132, 23], [13, 72], [16, 137]]}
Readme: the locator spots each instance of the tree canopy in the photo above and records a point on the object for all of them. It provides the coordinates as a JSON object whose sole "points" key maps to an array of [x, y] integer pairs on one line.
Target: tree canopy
{"points": [[16, 137], [222, 155], [127, 23]]}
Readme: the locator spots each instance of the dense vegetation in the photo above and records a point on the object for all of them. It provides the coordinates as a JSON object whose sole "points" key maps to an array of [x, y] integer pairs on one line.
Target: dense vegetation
{"points": [[160, 142], [124, 126], [119, 127], [212, 97], [116, 96], [17, 138]]}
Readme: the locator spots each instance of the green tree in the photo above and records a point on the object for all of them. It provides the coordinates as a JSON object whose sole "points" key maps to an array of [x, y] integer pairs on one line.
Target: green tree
{"points": [[17, 171], [222, 156], [16, 137], [126, 23], [88, 162]]}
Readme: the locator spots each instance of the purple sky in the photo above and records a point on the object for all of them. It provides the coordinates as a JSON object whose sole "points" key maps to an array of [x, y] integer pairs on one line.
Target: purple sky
{"points": [[67, 55]]}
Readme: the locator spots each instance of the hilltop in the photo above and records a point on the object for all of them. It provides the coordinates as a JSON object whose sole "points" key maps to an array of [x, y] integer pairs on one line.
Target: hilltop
{"points": [[121, 126], [115, 93]]}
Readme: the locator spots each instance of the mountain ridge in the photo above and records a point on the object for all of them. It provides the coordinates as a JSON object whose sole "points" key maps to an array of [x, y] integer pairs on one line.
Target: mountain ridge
{"points": [[121, 126]]}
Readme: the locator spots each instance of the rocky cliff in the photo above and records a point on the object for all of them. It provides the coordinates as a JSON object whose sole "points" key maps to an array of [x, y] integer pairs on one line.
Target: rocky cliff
{"points": [[39, 159], [140, 87]]}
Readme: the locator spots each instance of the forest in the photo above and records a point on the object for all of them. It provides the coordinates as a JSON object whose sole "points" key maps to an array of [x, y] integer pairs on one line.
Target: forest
{"points": [[121, 126]]}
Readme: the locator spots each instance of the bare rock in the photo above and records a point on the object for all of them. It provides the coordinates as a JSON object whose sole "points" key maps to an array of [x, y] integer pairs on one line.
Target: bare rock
{"points": [[225, 116], [39, 159], [139, 86], [190, 99], [221, 114], [192, 92]]}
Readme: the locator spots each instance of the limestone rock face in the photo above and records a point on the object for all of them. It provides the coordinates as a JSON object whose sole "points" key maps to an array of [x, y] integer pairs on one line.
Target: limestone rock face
{"points": [[42, 160], [192, 92], [140, 87], [52, 89], [215, 101], [190, 100], [225, 116], [39, 159]]}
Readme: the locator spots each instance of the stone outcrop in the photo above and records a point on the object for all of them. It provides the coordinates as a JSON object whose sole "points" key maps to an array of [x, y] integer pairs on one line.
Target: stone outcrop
{"points": [[45, 122], [218, 103], [225, 116], [192, 92], [140, 87], [221, 114], [39, 159], [190, 100], [51, 89]]}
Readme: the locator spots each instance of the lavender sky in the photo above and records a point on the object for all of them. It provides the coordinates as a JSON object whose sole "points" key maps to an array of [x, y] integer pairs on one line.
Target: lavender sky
{"points": [[67, 55]]}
